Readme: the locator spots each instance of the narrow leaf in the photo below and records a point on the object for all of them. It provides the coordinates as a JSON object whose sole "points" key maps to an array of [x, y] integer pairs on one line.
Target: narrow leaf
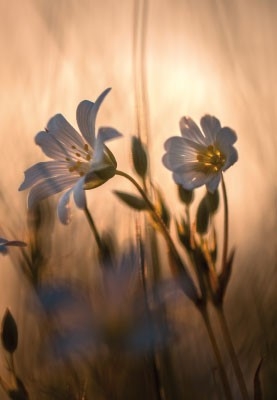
{"points": [[258, 395], [131, 200]]}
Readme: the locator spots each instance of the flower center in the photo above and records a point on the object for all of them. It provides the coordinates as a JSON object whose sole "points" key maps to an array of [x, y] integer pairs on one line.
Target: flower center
{"points": [[211, 160], [79, 160]]}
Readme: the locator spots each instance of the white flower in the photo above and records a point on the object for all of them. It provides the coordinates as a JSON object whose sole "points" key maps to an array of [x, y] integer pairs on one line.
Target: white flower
{"points": [[197, 158], [79, 162]]}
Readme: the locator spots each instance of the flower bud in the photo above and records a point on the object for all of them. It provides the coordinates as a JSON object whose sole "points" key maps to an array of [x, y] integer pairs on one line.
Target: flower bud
{"points": [[186, 196], [139, 157], [9, 333]]}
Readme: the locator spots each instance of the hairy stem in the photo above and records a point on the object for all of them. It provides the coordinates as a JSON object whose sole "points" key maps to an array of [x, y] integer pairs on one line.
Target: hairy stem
{"points": [[226, 225], [93, 228], [230, 347], [221, 368]]}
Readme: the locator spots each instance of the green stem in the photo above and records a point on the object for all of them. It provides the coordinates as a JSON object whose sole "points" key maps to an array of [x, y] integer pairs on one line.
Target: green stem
{"points": [[152, 350], [222, 372], [93, 228], [185, 279], [230, 347], [226, 226]]}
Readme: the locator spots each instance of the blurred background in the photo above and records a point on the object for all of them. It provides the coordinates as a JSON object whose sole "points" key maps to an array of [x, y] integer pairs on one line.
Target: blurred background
{"points": [[214, 56]]}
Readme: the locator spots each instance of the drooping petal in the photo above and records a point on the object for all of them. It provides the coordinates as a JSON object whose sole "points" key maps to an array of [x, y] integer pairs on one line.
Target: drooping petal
{"points": [[190, 130], [49, 187], [63, 208], [226, 136], [43, 170], [79, 194], [213, 183], [104, 134], [210, 126], [86, 116], [64, 131]]}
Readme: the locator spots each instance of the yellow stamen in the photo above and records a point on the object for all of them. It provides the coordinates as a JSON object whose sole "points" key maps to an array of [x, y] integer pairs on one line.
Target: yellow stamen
{"points": [[211, 160], [75, 164]]}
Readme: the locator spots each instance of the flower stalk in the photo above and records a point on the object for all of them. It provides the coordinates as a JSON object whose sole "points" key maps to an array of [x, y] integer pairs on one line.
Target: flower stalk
{"points": [[232, 353], [93, 228], [226, 225], [221, 368]]}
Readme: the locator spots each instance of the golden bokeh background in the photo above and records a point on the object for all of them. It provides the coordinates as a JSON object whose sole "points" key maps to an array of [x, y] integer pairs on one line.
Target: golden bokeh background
{"points": [[213, 56]]}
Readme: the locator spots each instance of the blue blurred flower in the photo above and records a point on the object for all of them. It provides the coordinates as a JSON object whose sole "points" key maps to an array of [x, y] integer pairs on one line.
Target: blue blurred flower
{"points": [[4, 244]]}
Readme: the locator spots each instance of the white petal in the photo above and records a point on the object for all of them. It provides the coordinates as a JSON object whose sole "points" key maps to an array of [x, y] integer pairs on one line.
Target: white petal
{"points": [[64, 131], [180, 151], [63, 208], [79, 194], [210, 126], [42, 171], [172, 143], [107, 133], [213, 183], [49, 187], [190, 179], [232, 157], [104, 134], [191, 131], [86, 116], [51, 146], [226, 136]]}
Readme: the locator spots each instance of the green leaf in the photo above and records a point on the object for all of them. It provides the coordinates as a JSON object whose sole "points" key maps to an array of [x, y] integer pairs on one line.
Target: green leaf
{"points": [[9, 332], [131, 200], [139, 156], [202, 217], [186, 196]]}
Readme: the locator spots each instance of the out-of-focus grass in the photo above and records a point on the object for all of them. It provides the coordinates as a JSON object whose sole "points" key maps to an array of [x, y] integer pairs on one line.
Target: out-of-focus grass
{"points": [[201, 57]]}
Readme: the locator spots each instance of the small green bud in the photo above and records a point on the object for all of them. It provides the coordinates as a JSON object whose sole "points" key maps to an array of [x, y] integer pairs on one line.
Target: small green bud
{"points": [[186, 196], [213, 201], [202, 217], [139, 156], [9, 333]]}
